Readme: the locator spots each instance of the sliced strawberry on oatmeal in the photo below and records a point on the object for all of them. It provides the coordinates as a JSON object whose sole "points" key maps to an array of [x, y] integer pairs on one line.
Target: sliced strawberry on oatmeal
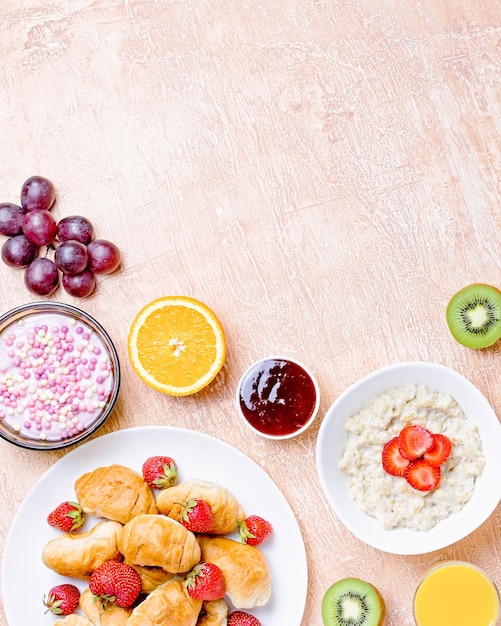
{"points": [[440, 451], [414, 441], [422, 476], [393, 462]]}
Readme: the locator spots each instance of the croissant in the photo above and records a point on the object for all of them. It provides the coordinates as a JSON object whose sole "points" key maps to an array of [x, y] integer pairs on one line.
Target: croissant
{"points": [[159, 541], [99, 615], [73, 620], [245, 570], [168, 605], [79, 554], [151, 577], [225, 507], [214, 613], [116, 493]]}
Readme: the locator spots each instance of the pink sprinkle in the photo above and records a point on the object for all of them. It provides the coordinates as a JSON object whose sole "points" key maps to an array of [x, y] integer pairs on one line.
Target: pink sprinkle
{"points": [[27, 424]]}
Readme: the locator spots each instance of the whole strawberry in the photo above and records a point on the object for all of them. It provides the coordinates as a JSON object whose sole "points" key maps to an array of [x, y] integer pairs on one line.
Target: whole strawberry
{"points": [[160, 472], [62, 599], [254, 530], [115, 582], [67, 516], [197, 516], [241, 618], [206, 582]]}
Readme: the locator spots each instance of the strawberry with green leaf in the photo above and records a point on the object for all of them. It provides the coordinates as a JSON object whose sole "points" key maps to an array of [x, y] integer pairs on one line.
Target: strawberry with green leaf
{"points": [[197, 515], [115, 582], [160, 472], [254, 530], [67, 516], [62, 599], [206, 582]]}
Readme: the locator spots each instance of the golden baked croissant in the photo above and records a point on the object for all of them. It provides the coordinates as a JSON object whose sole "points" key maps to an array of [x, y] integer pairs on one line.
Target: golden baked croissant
{"points": [[115, 492], [213, 613], [168, 605], [73, 620], [78, 554], [245, 570], [159, 541], [151, 577], [225, 507], [107, 615]]}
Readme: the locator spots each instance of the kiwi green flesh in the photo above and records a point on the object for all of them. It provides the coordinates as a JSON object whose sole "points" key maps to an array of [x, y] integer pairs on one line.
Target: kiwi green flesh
{"points": [[352, 602], [474, 316]]}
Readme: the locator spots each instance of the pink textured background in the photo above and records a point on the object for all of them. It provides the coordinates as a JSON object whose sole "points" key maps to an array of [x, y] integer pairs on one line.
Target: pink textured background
{"points": [[323, 173]]}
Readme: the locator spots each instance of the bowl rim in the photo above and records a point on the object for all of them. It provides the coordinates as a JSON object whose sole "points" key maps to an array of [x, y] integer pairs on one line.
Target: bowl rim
{"points": [[34, 307], [487, 492], [316, 407]]}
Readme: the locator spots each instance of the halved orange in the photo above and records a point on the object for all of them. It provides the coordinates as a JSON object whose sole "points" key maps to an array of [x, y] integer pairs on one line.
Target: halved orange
{"points": [[177, 345]]}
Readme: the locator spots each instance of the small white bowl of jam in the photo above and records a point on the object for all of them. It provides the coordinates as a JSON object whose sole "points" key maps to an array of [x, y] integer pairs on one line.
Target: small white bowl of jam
{"points": [[278, 397]]}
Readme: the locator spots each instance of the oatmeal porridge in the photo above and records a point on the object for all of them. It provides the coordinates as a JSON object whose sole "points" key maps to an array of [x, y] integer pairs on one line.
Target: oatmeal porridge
{"points": [[392, 501]]}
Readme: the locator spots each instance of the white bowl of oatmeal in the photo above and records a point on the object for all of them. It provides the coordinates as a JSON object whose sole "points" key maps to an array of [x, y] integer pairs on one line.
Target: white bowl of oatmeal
{"points": [[383, 510]]}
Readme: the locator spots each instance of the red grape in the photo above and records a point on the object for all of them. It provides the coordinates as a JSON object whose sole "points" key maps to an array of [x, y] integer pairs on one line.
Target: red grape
{"points": [[18, 251], [71, 257], [37, 194], [75, 227], [40, 227], [79, 285], [11, 219], [41, 276], [104, 256]]}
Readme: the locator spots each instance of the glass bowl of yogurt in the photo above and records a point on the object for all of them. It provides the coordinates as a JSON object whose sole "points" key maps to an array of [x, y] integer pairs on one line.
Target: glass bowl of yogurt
{"points": [[278, 397], [59, 375]]}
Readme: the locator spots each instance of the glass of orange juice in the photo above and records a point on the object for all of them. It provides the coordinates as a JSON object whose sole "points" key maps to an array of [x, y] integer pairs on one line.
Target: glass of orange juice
{"points": [[455, 593]]}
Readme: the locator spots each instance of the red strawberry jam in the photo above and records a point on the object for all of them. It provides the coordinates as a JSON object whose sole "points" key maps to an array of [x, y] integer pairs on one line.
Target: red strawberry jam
{"points": [[277, 397]]}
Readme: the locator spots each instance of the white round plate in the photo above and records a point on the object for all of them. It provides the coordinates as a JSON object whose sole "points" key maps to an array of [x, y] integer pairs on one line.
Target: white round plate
{"points": [[332, 437], [197, 455]]}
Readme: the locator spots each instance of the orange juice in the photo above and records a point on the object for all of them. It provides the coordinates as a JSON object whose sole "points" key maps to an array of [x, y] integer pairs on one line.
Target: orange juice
{"points": [[456, 594]]}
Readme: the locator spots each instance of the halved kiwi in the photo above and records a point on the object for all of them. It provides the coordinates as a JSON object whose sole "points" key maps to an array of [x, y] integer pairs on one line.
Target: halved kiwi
{"points": [[352, 602], [474, 315]]}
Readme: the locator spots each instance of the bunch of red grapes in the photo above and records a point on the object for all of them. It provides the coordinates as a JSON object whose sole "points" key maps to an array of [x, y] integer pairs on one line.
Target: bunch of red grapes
{"points": [[78, 257]]}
